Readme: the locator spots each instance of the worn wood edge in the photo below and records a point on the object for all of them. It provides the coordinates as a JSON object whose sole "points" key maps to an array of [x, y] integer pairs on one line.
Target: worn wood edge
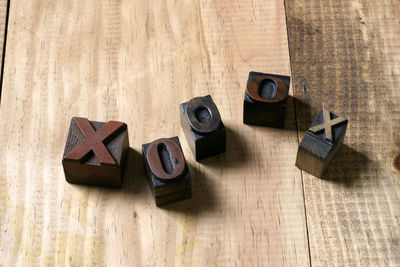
{"points": [[4, 12]]}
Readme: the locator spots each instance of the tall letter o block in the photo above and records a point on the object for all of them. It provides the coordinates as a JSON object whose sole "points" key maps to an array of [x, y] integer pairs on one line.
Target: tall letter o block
{"points": [[167, 171], [265, 99], [203, 127]]}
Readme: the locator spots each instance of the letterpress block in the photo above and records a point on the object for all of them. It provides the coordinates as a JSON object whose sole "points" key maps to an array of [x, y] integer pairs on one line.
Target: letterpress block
{"points": [[203, 128], [167, 171], [95, 152], [265, 99], [321, 143]]}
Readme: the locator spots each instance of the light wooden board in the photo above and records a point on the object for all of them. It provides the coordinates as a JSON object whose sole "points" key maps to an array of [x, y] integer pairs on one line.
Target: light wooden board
{"points": [[3, 25], [136, 61], [345, 57]]}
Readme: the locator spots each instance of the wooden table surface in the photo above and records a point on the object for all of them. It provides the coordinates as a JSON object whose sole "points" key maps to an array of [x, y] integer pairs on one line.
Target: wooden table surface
{"points": [[136, 61]]}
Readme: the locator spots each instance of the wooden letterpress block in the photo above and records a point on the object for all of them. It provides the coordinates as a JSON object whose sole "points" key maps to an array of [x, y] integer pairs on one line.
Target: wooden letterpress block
{"points": [[167, 171], [95, 152], [321, 143], [265, 99], [203, 128]]}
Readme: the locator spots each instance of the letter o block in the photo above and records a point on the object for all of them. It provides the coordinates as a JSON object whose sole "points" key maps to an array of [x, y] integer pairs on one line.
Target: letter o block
{"points": [[265, 99], [167, 171], [201, 123], [95, 152]]}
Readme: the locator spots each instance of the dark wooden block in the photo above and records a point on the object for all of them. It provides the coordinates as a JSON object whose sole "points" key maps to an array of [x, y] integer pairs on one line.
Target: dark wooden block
{"points": [[321, 143], [167, 171], [265, 99], [95, 152], [173, 197], [203, 128]]}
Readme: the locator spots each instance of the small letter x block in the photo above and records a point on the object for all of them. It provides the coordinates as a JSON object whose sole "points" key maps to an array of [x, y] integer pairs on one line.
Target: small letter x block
{"points": [[321, 143], [95, 152]]}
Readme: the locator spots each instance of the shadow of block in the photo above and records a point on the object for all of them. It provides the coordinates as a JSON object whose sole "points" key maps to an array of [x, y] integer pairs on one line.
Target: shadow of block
{"points": [[303, 114], [203, 196], [346, 167], [135, 176], [235, 155]]}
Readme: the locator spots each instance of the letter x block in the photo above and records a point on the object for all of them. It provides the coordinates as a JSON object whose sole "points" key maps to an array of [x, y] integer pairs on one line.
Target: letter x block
{"points": [[321, 143], [95, 152], [167, 171]]}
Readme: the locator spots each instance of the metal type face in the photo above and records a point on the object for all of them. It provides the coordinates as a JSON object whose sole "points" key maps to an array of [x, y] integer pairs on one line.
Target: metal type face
{"points": [[255, 85], [156, 162], [327, 125], [202, 115], [94, 141]]}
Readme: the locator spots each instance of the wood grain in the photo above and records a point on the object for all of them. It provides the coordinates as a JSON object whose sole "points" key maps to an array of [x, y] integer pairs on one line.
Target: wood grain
{"points": [[3, 32], [345, 57], [136, 61]]}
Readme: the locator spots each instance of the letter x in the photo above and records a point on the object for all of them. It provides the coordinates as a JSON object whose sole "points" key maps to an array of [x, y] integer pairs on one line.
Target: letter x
{"points": [[94, 140], [327, 124]]}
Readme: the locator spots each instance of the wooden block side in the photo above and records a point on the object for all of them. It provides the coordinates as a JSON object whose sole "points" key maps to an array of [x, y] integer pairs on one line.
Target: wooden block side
{"points": [[173, 197], [92, 175], [309, 162], [263, 114], [211, 144]]}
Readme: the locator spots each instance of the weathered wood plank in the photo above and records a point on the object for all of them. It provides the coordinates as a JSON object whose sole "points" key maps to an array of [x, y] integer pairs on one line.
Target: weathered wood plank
{"points": [[345, 56], [136, 61]]}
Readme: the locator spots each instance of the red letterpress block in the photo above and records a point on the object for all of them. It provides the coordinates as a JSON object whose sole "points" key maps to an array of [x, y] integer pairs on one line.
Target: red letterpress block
{"points": [[95, 152]]}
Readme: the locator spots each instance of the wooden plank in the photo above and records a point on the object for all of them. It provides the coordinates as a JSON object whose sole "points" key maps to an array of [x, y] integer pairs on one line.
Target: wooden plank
{"points": [[3, 32], [136, 61], [345, 57]]}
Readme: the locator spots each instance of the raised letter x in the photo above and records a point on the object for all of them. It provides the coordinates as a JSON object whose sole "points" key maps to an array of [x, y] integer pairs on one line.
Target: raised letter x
{"points": [[327, 124], [94, 140]]}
